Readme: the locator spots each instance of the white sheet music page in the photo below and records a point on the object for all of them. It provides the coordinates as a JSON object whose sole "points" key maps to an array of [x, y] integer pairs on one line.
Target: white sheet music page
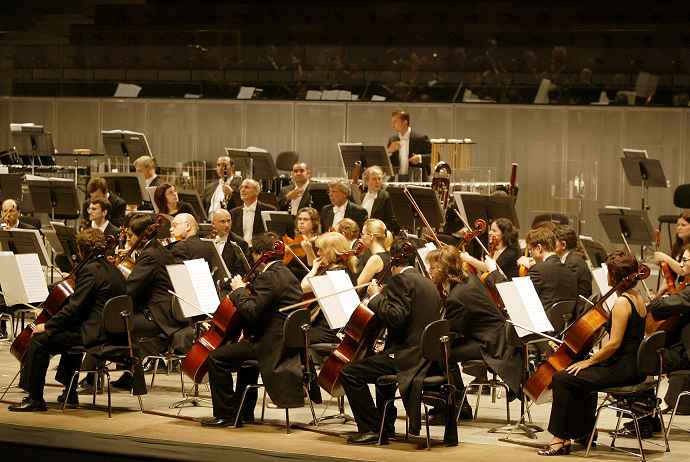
{"points": [[523, 305], [33, 278], [601, 279], [423, 252], [202, 282], [336, 308], [457, 195], [182, 285]]}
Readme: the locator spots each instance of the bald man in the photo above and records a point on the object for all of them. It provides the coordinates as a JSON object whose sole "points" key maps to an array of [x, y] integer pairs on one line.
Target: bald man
{"points": [[188, 245], [11, 214], [231, 246], [246, 219]]}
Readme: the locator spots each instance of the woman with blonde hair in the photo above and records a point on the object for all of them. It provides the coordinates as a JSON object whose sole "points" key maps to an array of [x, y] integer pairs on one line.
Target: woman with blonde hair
{"points": [[378, 241]]}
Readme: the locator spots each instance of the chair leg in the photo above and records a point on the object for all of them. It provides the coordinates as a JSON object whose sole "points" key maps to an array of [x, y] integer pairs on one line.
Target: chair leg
{"points": [[96, 378], [263, 406], [479, 396], [239, 410], [426, 422], [69, 389], [462, 401], [615, 432], [182, 381], [639, 437], [673, 414], [311, 407], [591, 436], [663, 427], [507, 404], [12, 383], [155, 370], [287, 421], [383, 420], [107, 378]]}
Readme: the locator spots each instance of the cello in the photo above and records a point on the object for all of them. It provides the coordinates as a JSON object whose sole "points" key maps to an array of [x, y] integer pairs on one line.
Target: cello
{"points": [[226, 323], [579, 338]]}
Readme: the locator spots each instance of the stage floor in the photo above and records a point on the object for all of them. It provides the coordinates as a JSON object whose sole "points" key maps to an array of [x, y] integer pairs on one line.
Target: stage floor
{"points": [[130, 432]]}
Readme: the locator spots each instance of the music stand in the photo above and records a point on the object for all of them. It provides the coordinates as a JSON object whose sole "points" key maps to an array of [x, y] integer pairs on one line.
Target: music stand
{"points": [[32, 142], [403, 211], [129, 186], [25, 241], [594, 250], [205, 230], [280, 222], [319, 195], [192, 198], [261, 163], [67, 238], [367, 155], [11, 186], [54, 196], [125, 143], [648, 173], [489, 208], [624, 225]]}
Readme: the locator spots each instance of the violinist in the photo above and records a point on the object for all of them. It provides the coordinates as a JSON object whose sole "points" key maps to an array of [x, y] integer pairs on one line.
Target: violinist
{"points": [[681, 242], [377, 240], [405, 307], [340, 207], [79, 322], [553, 280], [219, 193], [274, 287], [331, 248], [377, 201], [231, 247], [307, 229], [475, 318], [614, 364], [296, 196], [187, 245], [99, 210], [503, 247], [566, 249], [350, 229], [169, 203]]}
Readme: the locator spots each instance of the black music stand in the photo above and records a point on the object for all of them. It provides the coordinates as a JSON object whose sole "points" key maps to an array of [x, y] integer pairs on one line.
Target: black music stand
{"points": [[192, 198], [319, 195], [627, 226], [489, 208], [33, 144], [205, 230], [367, 155], [261, 163], [25, 241], [595, 251], [124, 143], [648, 173], [11, 187], [56, 197], [403, 211], [67, 238], [129, 186], [281, 223]]}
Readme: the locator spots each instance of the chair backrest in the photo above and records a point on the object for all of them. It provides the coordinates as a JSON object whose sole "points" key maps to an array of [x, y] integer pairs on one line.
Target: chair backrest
{"points": [[112, 318], [561, 313], [554, 217], [293, 334], [286, 159], [648, 360], [432, 348]]}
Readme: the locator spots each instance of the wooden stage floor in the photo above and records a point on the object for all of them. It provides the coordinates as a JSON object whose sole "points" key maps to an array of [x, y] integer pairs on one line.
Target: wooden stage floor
{"points": [[129, 431]]}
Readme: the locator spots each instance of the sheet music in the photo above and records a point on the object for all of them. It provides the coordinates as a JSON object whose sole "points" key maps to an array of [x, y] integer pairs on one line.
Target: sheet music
{"points": [[601, 279], [423, 252], [33, 278], [457, 195], [203, 284], [523, 305], [336, 308]]}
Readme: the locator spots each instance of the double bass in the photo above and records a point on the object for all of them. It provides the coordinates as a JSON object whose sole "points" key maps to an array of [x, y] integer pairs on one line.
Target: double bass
{"points": [[579, 338], [226, 323]]}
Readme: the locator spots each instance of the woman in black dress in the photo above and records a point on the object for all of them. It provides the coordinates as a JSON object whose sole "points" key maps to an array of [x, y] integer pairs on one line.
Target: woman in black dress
{"points": [[504, 248], [615, 364], [169, 203], [377, 240]]}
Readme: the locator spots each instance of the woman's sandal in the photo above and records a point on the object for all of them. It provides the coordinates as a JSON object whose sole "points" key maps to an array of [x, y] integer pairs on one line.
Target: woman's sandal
{"points": [[551, 450]]}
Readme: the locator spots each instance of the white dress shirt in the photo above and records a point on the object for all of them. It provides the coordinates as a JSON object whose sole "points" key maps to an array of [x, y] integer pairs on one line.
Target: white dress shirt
{"points": [[220, 243], [102, 227], [217, 198], [338, 214], [294, 203], [248, 221], [368, 201], [404, 152], [565, 255]]}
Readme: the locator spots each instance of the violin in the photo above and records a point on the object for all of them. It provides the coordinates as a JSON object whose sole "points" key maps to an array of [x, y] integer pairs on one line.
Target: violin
{"points": [[479, 226], [226, 323], [295, 245], [522, 269], [125, 261], [579, 338]]}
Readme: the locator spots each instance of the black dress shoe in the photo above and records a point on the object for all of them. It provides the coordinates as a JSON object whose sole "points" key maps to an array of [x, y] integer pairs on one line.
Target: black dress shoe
{"points": [[216, 422], [72, 401], [366, 438], [30, 405]]}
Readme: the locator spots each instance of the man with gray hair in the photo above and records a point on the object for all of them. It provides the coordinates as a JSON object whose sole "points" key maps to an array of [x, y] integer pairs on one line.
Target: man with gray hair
{"points": [[218, 194], [341, 207], [147, 167], [246, 219]]}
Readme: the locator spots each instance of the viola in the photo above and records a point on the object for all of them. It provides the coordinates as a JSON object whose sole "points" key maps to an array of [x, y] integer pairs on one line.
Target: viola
{"points": [[669, 324], [226, 323], [479, 228], [579, 338], [295, 244]]}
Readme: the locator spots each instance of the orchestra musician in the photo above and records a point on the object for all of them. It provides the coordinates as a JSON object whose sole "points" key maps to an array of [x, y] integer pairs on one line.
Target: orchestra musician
{"points": [[12, 218], [246, 219], [504, 248], [97, 188], [307, 228], [566, 249], [169, 203], [553, 280], [99, 210], [681, 242], [377, 201], [614, 364], [404, 307], [79, 322], [187, 244], [274, 287], [295, 196], [350, 229], [146, 166], [377, 240], [407, 148], [331, 246], [340, 206], [231, 247], [219, 194]]}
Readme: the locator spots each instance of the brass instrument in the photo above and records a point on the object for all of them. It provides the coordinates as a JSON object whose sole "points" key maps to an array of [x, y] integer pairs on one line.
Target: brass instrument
{"points": [[440, 183]]}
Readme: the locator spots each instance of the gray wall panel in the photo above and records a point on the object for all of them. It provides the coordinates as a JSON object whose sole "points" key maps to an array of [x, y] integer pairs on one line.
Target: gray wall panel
{"points": [[220, 126], [37, 110], [78, 124], [370, 123], [171, 128], [4, 123], [270, 125], [319, 127]]}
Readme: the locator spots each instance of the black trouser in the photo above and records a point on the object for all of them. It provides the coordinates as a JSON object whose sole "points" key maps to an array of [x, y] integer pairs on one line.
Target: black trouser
{"points": [[356, 378], [221, 363], [464, 351], [42, 347]]}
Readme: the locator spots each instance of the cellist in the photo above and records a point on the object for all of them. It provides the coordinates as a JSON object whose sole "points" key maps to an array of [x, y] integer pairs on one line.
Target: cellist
{"points": [[79, 322], [614, 364]]}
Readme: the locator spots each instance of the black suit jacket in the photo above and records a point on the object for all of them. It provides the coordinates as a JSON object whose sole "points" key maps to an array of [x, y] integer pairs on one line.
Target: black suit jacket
{"points": [[96, 282], [118, 208], [191, 249], [419, 144], [584, 277], [112, 230], [554, 282], [236, 257], [148, 285], [353, 211], [234, 200], [237, 215], [284, 202], [383, 210], [405, 307]]}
